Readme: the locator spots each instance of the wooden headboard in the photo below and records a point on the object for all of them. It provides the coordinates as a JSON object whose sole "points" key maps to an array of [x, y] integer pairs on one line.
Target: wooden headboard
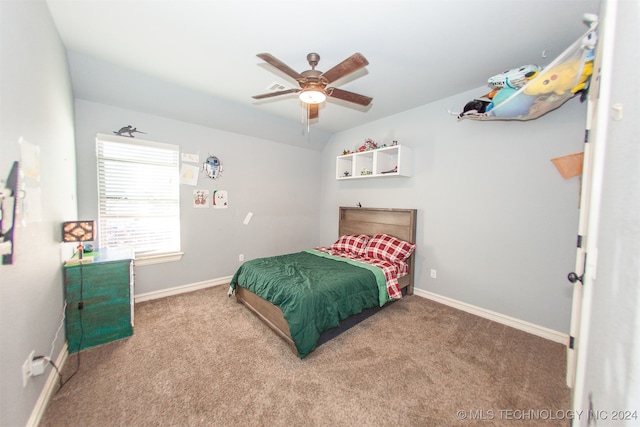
{"points": [[400, 223]]}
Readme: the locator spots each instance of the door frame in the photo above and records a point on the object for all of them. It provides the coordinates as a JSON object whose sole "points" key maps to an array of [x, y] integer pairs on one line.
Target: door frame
{"points": [[591, 192]]}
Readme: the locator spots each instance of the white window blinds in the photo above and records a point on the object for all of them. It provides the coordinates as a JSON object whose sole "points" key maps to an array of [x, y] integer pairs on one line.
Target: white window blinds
{"points": [[139, 194]]}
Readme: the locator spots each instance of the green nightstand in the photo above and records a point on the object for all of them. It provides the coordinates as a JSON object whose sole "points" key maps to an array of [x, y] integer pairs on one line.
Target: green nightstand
{"points": [[99, 295]]}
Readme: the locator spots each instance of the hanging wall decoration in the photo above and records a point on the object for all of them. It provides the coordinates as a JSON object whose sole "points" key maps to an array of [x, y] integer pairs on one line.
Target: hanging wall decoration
{"points": [[212, 167], [569, 165], [200, 198], [130, 130], [189, 174], [220, 199]]}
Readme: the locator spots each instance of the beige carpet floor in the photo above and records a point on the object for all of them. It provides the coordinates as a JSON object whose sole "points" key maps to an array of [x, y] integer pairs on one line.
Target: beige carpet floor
{"points": [[203, 359]]}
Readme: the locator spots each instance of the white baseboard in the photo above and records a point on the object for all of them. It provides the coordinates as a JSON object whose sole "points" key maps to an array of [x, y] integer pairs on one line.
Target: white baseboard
{"points": [[531, 328], [182, 289], [522, 325], [50, 387]]}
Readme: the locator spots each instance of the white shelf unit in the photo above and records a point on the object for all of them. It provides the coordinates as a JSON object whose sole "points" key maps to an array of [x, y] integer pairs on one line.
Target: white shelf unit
{"points": [[374, 163]]}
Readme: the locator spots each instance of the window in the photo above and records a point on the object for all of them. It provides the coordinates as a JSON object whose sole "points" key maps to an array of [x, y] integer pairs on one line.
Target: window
{"points": [[138, 196]]}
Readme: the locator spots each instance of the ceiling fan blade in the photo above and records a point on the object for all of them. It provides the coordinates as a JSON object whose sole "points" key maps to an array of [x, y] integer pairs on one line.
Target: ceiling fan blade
{"points": [[345, 95], [280, 65], [348, 66], [271, 94], [312, 111]]}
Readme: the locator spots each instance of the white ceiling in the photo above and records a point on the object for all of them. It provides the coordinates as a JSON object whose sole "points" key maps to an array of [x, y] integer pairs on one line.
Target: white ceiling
{"points": [[419, 51]]}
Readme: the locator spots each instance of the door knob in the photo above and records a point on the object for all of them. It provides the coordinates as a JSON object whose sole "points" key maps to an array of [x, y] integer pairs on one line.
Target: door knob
{"points": [[573, 277]]}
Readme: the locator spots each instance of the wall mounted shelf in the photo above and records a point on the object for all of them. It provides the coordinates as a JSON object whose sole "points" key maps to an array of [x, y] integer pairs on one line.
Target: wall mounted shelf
{"points": [[8, 203], [396, 160]]}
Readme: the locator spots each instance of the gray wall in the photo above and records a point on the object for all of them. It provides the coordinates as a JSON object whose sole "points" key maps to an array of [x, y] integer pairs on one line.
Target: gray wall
{"points": [[495, 218], [277, 182], [36, 104]]}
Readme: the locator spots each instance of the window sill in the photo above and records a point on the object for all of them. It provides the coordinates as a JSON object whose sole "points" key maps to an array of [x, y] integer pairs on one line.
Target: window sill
{"points": [[142, 260]]}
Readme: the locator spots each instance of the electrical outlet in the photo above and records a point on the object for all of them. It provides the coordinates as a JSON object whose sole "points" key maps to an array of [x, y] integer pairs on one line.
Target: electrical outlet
{"points": [[433, 273], [38, 366], [26, 369], [241, 257]]}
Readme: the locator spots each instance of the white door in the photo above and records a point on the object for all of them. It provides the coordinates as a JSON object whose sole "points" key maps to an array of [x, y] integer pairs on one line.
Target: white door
{"points": [[577, 276], [608, 369], [586, 197]]}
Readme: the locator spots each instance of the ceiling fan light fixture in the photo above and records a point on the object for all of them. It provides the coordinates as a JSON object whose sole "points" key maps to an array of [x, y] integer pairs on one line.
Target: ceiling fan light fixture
{"points": [[314, 84], [312, 96]]}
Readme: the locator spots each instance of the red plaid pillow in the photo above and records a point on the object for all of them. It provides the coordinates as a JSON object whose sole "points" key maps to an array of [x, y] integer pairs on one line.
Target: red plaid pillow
{"points": [[354, 243], [388, 248]]}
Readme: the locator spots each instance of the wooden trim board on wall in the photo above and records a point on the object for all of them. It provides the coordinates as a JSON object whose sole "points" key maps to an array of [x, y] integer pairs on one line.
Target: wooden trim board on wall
{"points": [[148, 296], [50, 388], [521, 325]]}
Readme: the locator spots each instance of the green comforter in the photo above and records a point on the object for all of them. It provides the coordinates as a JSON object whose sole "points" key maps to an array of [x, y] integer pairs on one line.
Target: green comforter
{"points": [[314, 290]]}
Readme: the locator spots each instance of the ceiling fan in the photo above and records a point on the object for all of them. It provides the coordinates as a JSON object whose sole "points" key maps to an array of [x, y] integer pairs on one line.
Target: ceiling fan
{"points": [[313, 83]]}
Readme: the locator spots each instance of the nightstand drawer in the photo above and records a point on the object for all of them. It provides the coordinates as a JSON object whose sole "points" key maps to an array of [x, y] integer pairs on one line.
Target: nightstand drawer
{"points": [[97, 280]]}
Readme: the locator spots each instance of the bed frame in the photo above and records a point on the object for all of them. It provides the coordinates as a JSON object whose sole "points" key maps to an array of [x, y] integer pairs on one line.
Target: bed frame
{"points": [[400, 223]]}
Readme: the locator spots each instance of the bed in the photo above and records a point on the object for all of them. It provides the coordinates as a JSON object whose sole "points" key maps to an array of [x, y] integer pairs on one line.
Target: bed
{"points": [[333, 291]]}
